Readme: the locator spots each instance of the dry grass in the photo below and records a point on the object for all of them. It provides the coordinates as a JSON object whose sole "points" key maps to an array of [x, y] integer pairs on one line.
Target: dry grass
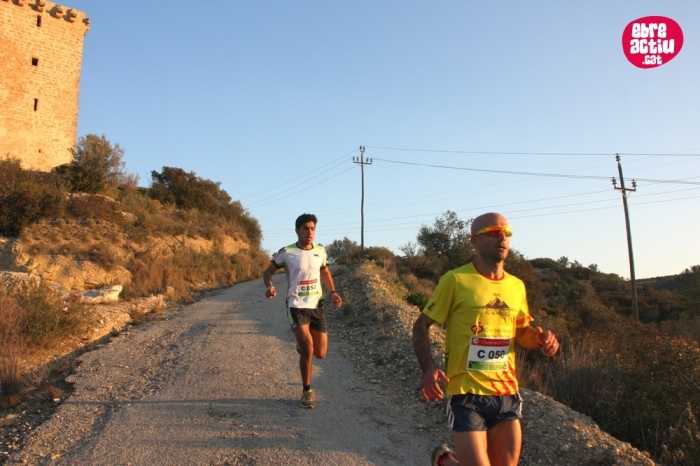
{"points": [[30, 317], [638, 384], [12, 345], [187, 271], [684, 327]]}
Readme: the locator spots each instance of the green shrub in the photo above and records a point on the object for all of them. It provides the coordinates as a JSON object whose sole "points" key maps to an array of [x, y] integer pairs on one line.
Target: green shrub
{"points": [[380, 256], [344, 251], [97, 165], [417, 299], [38, 316], [446, 243], [188, 191], [27, 197], [84, 207]]}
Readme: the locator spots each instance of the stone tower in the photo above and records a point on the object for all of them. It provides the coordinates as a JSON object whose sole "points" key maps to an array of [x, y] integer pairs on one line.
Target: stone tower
{"points": [[41, 53]]}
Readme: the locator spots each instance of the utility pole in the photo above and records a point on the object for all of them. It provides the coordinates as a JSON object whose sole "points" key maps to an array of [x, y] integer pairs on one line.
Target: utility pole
{"points": [[629, 232], [362, 162]]}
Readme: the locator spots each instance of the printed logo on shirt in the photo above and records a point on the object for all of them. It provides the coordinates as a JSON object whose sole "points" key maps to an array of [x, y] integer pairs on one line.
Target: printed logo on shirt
{"points": [[496, 306], [497, 303]]}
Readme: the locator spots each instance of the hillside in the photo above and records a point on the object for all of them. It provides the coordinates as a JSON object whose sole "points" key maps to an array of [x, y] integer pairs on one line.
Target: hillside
{"points": [[83, 251]]}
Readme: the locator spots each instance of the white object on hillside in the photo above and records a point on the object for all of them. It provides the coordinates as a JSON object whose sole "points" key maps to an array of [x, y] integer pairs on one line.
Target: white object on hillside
{"points": [[105, 295]]}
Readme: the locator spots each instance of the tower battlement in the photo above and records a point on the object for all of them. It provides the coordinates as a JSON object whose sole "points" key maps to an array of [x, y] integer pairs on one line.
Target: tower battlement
{"points": [[53, 10], [40, 65]]}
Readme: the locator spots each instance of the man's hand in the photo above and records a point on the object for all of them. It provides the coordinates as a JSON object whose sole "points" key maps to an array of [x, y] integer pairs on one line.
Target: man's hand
{"points": [[270, 292], [432, 386], [336, 299], [548, 342]]}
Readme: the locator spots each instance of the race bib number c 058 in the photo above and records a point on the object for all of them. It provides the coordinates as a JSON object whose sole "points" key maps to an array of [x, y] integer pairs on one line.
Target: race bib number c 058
{"points": [[488, 354]]}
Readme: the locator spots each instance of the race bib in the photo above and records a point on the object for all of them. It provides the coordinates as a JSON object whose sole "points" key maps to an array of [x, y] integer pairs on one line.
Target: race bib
{"points": [[307, 288], [488, 354]]}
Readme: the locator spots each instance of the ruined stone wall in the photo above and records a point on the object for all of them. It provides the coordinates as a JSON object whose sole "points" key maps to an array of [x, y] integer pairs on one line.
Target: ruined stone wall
{"points": [[41, 49]]}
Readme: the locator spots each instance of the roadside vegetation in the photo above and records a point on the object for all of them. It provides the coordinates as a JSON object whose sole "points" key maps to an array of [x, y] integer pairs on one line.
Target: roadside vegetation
{"points": [[181, 234], [637, 380], [32, 316]]}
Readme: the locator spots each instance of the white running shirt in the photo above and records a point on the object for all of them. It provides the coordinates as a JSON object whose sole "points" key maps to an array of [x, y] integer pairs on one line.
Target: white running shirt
{"points": [[303, 267]]}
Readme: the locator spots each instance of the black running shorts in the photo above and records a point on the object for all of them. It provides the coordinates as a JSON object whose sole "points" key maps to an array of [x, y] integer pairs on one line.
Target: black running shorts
{"points": [[314, 318], [466, 413]]}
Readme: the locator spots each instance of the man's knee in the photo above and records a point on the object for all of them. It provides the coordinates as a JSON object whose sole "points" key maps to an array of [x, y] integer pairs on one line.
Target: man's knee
{"points": [[471, 448], [320, 353]]}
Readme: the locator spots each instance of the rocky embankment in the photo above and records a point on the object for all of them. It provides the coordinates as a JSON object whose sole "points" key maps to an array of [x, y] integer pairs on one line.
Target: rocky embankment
{"points": [[377, 323]]}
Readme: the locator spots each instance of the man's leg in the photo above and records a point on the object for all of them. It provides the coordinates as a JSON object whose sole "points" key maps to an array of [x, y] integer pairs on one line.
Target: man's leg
{"points": [[320, 343], [305, 345], [471, 448], [504, 441]]}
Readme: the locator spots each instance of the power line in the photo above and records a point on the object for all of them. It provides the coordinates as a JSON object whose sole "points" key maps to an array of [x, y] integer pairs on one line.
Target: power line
{"points": [[604, 208], [304, 184], [341, 226], [295, 182], [523, 173], [678, 181], [299, 181], [307, 186], [336, 228], [661, 201], [547, 154]]}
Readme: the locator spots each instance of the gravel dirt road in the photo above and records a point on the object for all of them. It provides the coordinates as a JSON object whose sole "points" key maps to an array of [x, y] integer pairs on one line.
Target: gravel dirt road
{"points": [[217, 383]]}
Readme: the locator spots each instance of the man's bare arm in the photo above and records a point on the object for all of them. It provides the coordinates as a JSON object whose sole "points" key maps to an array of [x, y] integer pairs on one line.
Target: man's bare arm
{"points": [[433, 379], [330, 284], [421, 342], [328, 279], [270, 290]]}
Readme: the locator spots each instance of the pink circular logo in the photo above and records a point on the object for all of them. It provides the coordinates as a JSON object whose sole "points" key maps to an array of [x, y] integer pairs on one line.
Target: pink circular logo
{"points": [[652, 41]]}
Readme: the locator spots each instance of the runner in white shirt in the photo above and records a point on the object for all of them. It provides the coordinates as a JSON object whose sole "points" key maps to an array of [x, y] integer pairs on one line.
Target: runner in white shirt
{"points": [[306, 265]]}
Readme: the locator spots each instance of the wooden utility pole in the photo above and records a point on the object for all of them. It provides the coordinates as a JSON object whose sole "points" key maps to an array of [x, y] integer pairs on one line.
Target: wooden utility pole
{"points": [[362, 162], [624, 191]]}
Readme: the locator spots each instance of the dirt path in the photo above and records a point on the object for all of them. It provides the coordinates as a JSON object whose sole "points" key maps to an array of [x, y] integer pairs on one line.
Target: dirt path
{"points": [[218, 383]]}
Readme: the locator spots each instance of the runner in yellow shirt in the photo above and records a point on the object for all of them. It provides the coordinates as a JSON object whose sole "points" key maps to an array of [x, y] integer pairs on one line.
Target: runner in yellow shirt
{"points": [[485, 311]]}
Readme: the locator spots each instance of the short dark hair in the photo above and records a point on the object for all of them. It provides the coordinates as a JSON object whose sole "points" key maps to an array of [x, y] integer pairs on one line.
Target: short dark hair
{"points": [[305, 218]]}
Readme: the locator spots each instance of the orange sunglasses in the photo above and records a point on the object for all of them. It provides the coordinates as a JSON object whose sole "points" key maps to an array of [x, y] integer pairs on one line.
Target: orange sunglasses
{"points": [[495, 231]]}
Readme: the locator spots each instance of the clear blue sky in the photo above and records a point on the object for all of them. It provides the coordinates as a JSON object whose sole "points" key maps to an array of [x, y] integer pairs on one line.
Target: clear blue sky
{"points": [[272, 99]]}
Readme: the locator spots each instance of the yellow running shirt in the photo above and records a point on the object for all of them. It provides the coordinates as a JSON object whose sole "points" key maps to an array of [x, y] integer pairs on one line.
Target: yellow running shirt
{"points": [[481, 316]]}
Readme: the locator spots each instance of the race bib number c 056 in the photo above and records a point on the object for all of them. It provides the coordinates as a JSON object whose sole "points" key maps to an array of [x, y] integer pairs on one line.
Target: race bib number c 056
{"points": [[488, 354]]}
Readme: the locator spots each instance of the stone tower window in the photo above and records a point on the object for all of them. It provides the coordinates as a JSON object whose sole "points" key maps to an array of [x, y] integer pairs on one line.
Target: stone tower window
{"points": [[35, 61], [36, 104], [38, 21]]}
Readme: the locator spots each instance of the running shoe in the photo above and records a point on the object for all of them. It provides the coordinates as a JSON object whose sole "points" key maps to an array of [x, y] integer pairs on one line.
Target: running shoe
{"points": [[439, 453], [308, 399]]}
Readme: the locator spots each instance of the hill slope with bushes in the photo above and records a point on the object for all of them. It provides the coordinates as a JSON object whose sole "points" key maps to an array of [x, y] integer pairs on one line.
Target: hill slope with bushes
{"points": [[87, 225]]}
